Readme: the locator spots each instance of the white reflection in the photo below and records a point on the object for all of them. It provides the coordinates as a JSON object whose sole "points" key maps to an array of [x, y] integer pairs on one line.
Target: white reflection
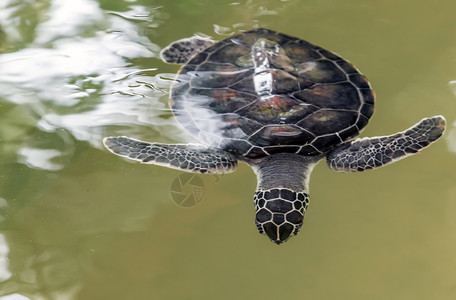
{"points": [[68, 18], [451, 138], [9, 20], [77, 75], [5, 274], [48, 71], [136, 12], [40, 158], [14, 297], [222, 30], [3, 202]]}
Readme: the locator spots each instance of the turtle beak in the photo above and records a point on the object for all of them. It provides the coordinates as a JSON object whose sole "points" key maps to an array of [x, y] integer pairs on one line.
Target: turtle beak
{"points": [[277, 242], [278, 233]]}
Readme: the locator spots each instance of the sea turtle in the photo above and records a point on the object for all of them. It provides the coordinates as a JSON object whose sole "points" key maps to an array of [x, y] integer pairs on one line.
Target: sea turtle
{"points": [[280, 105]]}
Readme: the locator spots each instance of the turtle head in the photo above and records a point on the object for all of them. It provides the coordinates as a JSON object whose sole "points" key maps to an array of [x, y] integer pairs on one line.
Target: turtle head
{"points": [[282, 193], [280, 212]]}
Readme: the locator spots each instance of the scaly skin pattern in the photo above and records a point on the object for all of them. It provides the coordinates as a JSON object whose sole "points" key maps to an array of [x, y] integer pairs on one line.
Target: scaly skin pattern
{"points": [[181, 51], [184, 157], [368, 153], [280, 212]]}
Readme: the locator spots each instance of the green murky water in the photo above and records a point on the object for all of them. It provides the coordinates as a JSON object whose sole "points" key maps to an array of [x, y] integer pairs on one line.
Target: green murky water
{"points": [[80, 223]]}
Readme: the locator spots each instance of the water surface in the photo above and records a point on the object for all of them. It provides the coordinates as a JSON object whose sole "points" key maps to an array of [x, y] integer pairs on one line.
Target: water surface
{"points": [[77, 222]]}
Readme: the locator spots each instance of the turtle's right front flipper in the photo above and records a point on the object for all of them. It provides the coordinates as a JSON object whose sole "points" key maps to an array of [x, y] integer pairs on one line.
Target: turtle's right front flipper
{"points": [[185, 157], [369, 153]]}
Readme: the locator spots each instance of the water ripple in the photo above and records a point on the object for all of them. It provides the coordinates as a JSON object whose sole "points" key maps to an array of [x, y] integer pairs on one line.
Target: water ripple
{"points": [[86, 86]]}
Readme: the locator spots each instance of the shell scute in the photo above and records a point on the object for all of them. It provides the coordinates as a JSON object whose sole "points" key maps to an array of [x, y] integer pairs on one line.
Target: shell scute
{"points": [[279, 135], [347, 67], [249, 126], [366, 111], [245, 84], [318, 122], [324, 143], [221, 100], [215, 79], [367, 95], [329, 54], [229, 53], [299, 52], [329, 95], [281, 149], [320, 71], [359, 81]]}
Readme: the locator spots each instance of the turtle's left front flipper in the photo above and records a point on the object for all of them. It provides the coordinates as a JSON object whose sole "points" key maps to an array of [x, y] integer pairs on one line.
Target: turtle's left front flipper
{"points": [[368, 153], [185, 157]]}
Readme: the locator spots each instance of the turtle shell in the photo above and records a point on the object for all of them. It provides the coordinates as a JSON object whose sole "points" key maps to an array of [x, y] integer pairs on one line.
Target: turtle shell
{"points": [[262, 92]]}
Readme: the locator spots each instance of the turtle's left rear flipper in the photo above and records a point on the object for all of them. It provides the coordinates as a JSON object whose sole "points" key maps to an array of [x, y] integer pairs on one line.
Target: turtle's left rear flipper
{"points": [[179, 52], [185, 157], [369, 153]]}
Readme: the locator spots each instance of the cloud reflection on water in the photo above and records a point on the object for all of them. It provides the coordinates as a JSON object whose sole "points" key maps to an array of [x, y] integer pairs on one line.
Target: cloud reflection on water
{"points": [[14, 297], [4, 250], [85, 84]]}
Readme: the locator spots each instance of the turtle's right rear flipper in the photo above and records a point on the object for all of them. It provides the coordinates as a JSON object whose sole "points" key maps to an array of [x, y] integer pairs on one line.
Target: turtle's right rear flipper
{"points": [[179, 52], [189, 158]]}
